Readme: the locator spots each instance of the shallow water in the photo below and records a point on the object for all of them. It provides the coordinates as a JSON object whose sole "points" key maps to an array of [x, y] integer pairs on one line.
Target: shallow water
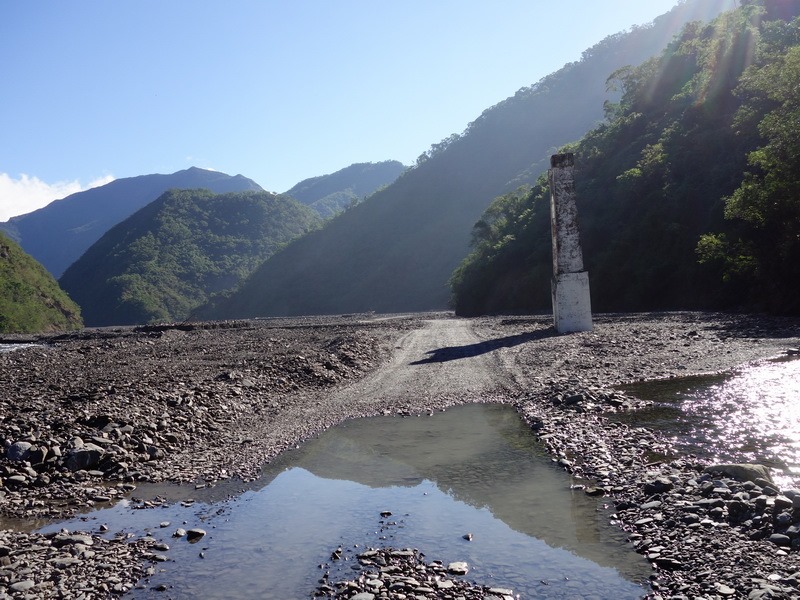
{"points": [[9, 347], [475, 469], [750, 416]]}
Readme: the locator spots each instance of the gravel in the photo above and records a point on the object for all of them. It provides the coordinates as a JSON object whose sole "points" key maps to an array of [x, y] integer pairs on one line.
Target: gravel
{"points": [[84, 417]]}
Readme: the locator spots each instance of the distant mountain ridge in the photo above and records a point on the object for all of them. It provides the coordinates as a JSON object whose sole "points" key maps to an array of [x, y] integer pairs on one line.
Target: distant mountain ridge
{"points": [[30, 299], [396, 251], [59, 233], [330, 194], [176, 252]]}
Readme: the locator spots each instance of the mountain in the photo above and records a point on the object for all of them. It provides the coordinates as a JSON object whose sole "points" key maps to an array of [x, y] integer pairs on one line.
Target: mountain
{"points": [[173, 254], [331, 194], [30, 299], [59, 233], [396, 251], [688, 196]]}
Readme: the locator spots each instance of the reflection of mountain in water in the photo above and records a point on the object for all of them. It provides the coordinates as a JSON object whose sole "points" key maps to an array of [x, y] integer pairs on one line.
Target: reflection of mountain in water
{"points": [[482, 455]]}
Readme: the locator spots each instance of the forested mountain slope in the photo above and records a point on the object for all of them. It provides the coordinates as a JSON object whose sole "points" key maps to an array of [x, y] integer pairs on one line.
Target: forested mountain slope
{"points": [[173, 254], [688, 194], [396, 251], [331, 194], [30, 299], [59, 233]]}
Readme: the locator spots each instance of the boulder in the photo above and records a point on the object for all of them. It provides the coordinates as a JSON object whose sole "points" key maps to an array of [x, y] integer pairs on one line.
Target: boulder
{"points": [[18, 451], [741, 471], [85, 457]]}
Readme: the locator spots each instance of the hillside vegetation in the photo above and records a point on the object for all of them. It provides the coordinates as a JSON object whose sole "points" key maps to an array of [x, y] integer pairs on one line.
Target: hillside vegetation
{"points": [[30, 299], [396, 251], [172, 255], [57, 234], [331, 194], [688, 195]]}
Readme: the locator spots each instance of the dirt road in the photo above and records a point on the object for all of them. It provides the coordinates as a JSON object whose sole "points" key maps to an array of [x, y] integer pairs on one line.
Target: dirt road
{"points": [[444, 358]]}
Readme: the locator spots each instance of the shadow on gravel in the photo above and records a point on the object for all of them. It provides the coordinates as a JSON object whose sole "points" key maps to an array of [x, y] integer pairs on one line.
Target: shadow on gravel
{"points": [[457, 352]]}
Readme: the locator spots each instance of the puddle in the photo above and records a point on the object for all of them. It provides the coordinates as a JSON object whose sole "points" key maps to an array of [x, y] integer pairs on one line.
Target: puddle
{"points": [[474, 469], [750, 416]]}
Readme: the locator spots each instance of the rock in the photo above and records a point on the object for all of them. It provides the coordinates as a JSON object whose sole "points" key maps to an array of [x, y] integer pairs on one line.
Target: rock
{"points": [[195, 535], [66, 539], [658, 486], [780, 540], [501, 591], [83, 458], [22, 586], [363, 596], [445, 584], [668, 564], [458, 568], [742, 471], [18, 451]]}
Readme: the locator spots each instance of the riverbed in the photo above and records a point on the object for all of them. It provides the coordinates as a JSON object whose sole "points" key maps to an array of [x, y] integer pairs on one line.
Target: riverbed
{"points": [[211, 403]]}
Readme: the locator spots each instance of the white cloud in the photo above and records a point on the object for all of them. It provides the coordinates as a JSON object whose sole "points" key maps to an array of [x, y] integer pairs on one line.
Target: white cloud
{"points": [[26, 194]]}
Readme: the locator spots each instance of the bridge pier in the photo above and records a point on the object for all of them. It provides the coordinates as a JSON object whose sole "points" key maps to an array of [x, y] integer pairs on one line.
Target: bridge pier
{"points": [[572, 309]]}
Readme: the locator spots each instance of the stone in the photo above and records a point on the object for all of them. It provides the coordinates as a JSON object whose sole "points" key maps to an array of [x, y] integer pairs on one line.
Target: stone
{"points": [[742, 471], [780, 540], [658, 486], [66, 539], [444, 584], [501, 591], [195, 535], [18, 451], [363, 596], [83, 458], [668, 564], [458, 568], [22, 586]]}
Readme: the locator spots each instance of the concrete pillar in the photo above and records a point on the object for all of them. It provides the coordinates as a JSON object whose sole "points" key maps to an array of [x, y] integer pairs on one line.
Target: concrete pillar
{"points": [[572, 309]]}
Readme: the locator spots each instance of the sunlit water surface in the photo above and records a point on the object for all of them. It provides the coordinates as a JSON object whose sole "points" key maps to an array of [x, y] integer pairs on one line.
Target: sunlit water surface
{"points": [[9, 347], [475, 469], [750, 416]]}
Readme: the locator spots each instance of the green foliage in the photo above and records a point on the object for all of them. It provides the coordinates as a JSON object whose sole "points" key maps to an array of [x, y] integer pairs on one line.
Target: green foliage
{"points": [[767, 203], [506, 235], [716, 116], [178, 251], [30, 299]]}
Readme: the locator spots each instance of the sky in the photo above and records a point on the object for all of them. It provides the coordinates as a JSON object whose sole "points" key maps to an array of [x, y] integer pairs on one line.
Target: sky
{"points": [[277, 90]]}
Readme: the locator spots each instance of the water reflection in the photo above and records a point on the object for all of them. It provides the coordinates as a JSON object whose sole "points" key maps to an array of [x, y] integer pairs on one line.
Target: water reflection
{"points": [[475, 469], [751, 416]]}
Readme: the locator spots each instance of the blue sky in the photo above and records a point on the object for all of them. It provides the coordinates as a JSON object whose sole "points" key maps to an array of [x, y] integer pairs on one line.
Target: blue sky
{"points": [[278, 91]]}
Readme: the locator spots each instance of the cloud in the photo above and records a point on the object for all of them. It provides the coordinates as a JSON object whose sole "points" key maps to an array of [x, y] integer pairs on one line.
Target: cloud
{"points": [[26, 194]]}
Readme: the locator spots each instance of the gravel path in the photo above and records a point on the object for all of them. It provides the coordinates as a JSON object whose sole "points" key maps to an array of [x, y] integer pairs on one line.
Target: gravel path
{"points": [[87, 416]]}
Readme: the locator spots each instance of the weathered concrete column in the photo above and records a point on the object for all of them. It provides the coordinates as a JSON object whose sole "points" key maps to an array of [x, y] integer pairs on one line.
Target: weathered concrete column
{"points": [[572, 309]]}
